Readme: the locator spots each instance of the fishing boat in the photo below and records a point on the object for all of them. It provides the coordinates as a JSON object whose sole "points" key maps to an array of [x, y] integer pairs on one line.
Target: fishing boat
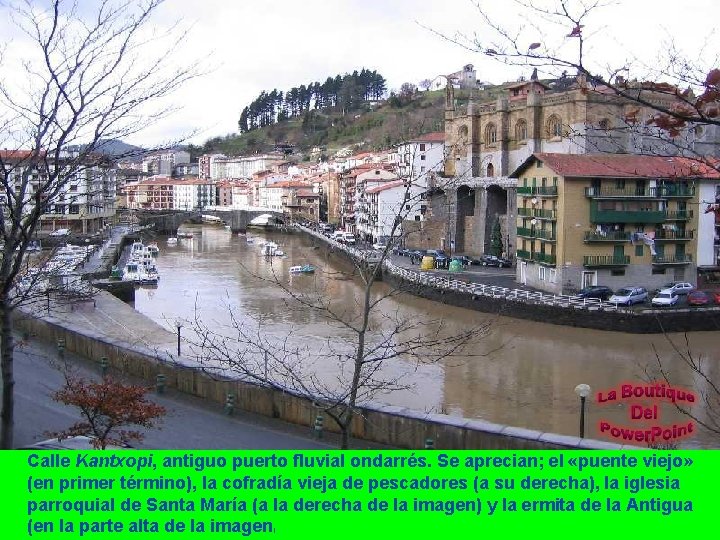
{"points": [[153, 248], [302, 269], [137, 248], [132, 272]]}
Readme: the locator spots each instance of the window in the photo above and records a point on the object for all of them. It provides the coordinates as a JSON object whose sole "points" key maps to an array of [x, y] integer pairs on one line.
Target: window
{"points": [[620, 183], [521, 130], [604, 124], [541, 273], [422, 148], [422, 158], [539, 164], [639, 251], [490, 170], [553, 275], [490, 134], [554, 126], [422, 169], [619, 272]]}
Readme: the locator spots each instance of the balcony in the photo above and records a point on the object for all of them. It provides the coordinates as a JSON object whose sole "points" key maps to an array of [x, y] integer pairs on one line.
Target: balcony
{"points": [[606, 260], [537, 213], [535, 233], [544, 258], [522, 254], [674, 236], [678, 215], [626, 216], [662, 260], [662, 192], [541, 191], [610, 236]]}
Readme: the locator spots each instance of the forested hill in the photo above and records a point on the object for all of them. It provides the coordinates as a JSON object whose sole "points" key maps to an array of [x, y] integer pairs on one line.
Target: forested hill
{"points": [[370, 125], [345, 93]]}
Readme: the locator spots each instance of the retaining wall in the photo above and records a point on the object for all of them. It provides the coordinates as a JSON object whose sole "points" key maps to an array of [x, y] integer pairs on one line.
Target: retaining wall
{"points": [[395, 426]]}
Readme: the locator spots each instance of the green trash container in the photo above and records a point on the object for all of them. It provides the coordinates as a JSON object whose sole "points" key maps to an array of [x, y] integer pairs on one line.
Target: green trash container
{"points": [[455, 266]]}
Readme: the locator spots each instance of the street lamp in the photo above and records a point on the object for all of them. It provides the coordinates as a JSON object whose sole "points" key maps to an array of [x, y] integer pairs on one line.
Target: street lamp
{"points": [[582, 390], [178, 325]]}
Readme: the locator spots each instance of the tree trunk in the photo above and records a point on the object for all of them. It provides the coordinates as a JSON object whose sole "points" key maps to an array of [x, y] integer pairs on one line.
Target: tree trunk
{"points": [[345, 436], [7, 347]]}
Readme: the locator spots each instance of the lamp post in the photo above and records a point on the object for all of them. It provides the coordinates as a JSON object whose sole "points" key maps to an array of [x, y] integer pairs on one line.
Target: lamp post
{"points": [[178, 325], [582, 390]]}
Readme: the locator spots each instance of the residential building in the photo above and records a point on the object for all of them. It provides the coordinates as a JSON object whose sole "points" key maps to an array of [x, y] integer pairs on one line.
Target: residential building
{"points": [[193, 194], [613, 220], [163, 162], [85, 198], [154, 193], [419, 161], [385, 201], [206, 165]]}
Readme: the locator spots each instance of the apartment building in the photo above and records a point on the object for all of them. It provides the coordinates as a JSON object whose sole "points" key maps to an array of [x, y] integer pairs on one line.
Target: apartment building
{"points": [[613, 220]]}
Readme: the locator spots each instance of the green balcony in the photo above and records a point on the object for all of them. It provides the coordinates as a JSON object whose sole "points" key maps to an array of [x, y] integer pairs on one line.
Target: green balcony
{"points": [[535, 233], [662, 192], [522, 254], [660, 260], [610, 236], [543, 258], [540, 191], [537, 213], [606, 260], [674, 236], [626, 216], [678, 215]]}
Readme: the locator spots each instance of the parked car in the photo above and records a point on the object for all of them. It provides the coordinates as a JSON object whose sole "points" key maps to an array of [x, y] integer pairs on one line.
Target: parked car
{"points": [[628, 296], [349, 239], [442, 261], [435, 252], [492, 260], [716, 296], [699, 298], [666, 297], [600, 292], [60, 232], [679, 287], [416, 255]]}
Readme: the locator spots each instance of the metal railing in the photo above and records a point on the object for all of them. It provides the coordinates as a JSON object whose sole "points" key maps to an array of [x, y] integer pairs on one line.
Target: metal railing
{"points": [[610, 236], [541, 191], [632, 192], [477, 290], [606, 260]]}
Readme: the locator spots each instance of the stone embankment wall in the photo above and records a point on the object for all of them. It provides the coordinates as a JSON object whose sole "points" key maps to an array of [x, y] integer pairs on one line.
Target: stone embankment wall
{"points": [[451, 289], [395, 426]]}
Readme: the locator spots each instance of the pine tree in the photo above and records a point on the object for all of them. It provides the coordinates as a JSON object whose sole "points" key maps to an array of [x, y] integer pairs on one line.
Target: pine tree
{"points": [[496, 241]]}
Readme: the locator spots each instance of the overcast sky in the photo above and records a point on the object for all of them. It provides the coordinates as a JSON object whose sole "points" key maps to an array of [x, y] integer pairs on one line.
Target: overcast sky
{"points": [[255, 45]]}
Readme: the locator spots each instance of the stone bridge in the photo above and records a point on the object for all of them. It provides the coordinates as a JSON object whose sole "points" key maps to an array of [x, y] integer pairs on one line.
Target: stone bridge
{"points": [[168, 221]]}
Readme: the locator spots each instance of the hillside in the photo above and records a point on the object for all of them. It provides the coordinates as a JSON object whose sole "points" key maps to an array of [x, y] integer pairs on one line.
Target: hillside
{"points": [[377, 125]]}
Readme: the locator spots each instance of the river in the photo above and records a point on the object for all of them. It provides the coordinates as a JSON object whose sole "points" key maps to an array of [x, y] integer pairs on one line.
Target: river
{"points": [[521, 373]]}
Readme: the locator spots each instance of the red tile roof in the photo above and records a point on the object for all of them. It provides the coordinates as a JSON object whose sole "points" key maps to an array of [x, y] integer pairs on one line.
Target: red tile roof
{"points": [[383, 187], [622, 165], [435, 136]]}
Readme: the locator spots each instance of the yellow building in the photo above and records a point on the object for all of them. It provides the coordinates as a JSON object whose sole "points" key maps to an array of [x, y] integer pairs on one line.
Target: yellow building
{"points": [[614, 220]]}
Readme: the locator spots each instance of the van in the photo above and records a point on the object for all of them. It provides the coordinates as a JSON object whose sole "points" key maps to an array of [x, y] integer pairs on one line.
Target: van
{"points": [[349, 239]]}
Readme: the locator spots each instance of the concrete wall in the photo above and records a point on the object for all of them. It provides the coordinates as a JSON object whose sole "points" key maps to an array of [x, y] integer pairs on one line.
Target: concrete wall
{"points": [[390, 425]]}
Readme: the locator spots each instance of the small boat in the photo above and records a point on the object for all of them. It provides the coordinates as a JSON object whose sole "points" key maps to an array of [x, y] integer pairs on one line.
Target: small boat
{"points": [[184, 234], [137, 248], [116, 273], [250, 240], [172, 241], [303, 269], [279, 253], [153, 248]]}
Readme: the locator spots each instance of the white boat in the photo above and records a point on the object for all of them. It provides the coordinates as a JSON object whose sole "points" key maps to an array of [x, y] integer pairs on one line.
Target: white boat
{"points": [[279, 253], [153, 248], [172, 241], [184, 234], [137, 247], [269, 249], [132, 272], [302, 269]]}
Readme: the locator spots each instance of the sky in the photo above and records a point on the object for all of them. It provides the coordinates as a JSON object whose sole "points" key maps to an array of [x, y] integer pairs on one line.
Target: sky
{"points": [[247, 46]]}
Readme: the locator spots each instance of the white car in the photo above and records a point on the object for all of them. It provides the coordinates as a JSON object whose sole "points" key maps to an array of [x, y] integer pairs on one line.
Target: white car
{"points": [[666, 297], [678, 287], [627, 296], [60, 232], [349, 239]]}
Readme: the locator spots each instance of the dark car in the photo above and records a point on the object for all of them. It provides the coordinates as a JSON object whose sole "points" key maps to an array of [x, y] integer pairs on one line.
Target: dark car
{"points": [[698, 298], [441, 261], [596, 291], [416, 255], [492, 260]]}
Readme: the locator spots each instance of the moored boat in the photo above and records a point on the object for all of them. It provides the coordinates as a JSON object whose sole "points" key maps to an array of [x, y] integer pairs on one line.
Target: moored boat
{"points": [[302, 269]]}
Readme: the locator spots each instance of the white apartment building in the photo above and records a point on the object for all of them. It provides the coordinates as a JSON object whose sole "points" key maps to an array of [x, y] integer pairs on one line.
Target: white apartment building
{"points": [[192, 194], [384, 203]]}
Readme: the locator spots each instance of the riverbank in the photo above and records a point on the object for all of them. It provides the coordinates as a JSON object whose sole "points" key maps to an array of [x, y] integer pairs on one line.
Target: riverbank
{"points": [[465, 289], [138, 347]]}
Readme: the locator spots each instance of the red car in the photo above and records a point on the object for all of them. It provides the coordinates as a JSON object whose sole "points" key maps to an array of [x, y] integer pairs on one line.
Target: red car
{"points": [[716, 295], [699, 298]]}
